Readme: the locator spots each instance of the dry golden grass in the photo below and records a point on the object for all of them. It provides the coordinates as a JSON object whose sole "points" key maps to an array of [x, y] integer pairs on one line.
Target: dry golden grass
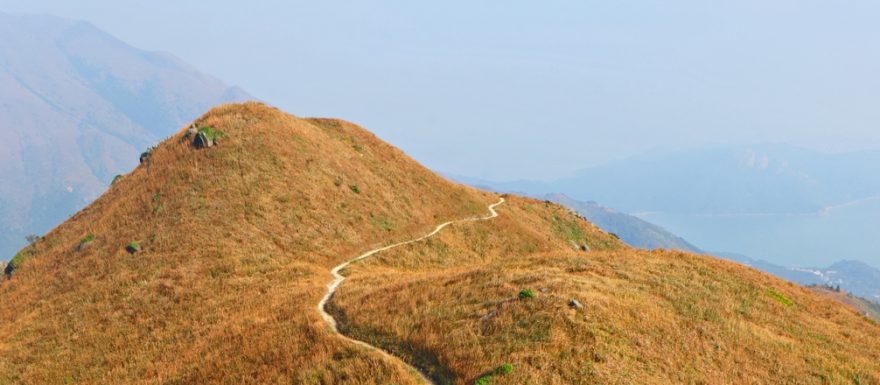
{"points": [[451, 304], [238, 241], [868, 308]]}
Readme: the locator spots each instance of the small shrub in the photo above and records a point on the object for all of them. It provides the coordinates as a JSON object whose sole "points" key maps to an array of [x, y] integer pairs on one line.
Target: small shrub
{"points": [[146, 155], [116, 179], [355, 188], [526, 294], [504, 369], [15, 262], [485, 380], [32, 239], [133, 247], [85, 241], [211, 133]]}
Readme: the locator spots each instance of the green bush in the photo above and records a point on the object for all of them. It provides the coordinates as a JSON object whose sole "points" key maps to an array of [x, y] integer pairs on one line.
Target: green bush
{"points": [[133, 247], [116, 179], [211, 133], [86, 240], [16, 261], [526, 293], [504, 369], [485, 380], [355, 188]]}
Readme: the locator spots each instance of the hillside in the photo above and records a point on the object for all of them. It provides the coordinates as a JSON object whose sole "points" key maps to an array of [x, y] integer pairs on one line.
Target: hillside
{"points": [[869, 308], [632, 230], [232, 248], [852, 276], [77, 107]]}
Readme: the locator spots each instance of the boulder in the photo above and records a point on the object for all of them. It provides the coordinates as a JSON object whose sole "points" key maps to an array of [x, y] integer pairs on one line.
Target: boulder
{"points": [[202, 141], [192, 131], [146, 156], [574, 304]]}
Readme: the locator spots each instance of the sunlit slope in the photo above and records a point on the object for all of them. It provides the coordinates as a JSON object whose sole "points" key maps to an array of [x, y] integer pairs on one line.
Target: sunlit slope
{"points": [[460, 305], [237, 241], [232, 247]]}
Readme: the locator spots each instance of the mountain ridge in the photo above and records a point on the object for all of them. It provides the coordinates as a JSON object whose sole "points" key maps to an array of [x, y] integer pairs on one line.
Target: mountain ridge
{"points": [[78, 107], [205, 265]]}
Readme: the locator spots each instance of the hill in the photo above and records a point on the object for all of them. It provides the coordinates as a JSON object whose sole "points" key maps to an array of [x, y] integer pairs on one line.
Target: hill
{"points": [[77, 107], [231, 247]]}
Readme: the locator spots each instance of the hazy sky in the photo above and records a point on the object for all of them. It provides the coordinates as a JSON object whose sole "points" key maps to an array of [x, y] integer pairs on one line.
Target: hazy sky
{"points": [[525, 89]]}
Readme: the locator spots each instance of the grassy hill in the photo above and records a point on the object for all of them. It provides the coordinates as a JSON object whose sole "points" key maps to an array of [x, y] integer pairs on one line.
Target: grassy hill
{"points": [[231, 249]]}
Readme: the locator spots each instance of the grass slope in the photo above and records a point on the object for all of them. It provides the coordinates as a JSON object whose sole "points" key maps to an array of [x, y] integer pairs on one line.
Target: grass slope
{"points": [[236, 244], [649, 317], [206, 266], [869, 308]]}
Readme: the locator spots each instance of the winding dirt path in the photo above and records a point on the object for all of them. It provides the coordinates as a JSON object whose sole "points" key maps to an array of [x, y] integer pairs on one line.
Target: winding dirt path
{"points": [[338, 278]]}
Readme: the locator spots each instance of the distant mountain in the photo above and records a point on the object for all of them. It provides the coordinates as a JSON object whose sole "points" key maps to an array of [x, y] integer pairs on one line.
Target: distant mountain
{"points": [[77, 107], [854, 277], [870, 309], [791, 206], [764, 178], [632, 230]]}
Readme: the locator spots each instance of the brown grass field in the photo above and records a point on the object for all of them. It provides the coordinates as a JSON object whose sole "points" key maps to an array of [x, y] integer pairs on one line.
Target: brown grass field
{"points": [[237, 242]]}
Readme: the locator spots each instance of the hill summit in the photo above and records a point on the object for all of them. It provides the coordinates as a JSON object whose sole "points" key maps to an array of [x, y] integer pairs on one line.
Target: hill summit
{"points": [[206, 265]]}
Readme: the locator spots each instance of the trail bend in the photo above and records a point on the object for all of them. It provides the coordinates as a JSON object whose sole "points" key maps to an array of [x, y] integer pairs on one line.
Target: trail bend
{"points": [[338, 278]]}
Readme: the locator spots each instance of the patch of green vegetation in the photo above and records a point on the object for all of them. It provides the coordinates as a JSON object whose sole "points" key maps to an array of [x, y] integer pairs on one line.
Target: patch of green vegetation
{"points": [[355, 188], [211, 133], [85, 241], [567, 229], [116, 179], [70, 379], [16, 261], [133, 247], [486, 379], [382, 222], [779, 297], [526, 294]]}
